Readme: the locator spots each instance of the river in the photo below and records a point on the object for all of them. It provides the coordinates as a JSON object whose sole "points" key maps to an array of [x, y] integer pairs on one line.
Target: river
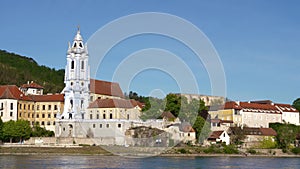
{"points": [[114, 162]]}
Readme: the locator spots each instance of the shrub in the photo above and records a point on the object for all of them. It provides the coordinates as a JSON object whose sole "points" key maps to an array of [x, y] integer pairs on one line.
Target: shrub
{"points": [[252, 151], [212, 149], [296, 150], [183, 151], [230, 149]]}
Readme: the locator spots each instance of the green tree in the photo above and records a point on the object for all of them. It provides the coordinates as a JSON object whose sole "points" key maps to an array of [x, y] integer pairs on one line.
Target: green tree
{"points": [[38, 131], [1, 127], [296, 104], [286, 134], [23, 130], [9, 131], [202, 128], [173, 104], [156, 108]]}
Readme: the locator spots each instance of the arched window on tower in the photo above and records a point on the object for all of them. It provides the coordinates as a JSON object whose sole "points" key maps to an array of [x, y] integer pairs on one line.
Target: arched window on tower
{"points": [[71, 103], [74, 45], [82, 64], [72, 64], [80, 45]]}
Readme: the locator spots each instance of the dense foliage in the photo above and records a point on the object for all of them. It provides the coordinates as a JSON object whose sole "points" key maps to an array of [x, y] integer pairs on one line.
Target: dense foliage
{"points": [[17, 70], [296, 104], [286, 134], [20, 130]]}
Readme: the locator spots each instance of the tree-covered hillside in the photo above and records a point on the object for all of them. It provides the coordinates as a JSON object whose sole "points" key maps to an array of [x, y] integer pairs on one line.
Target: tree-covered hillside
{"points": [[17, 70]]}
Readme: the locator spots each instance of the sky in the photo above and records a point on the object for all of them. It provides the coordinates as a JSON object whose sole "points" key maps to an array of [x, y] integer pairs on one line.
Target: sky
{"points": [[257, 42]]}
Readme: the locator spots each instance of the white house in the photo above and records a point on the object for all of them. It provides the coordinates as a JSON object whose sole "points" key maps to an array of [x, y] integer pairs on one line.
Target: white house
{"points": [[219, 137], [32, 88], [9, 97], [289, 113]]}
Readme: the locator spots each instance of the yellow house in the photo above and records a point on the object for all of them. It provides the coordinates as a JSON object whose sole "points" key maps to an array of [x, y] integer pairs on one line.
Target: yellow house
{"points": [[42, 109]]}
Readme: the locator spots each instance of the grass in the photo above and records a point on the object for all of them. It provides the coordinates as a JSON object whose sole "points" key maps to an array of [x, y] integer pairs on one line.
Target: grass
{"points": [[88, 150]]}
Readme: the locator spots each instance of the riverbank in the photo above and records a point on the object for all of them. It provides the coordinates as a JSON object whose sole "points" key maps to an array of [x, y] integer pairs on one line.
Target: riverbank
{"points": [[97, 150]]}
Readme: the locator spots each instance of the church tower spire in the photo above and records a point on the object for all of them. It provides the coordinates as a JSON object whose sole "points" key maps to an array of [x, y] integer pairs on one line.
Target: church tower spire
{"points": [[77, 79]]}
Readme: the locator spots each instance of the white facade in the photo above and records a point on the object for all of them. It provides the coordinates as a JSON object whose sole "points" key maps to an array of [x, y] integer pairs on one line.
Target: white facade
{"points": [[8, 109], [77, 79]]}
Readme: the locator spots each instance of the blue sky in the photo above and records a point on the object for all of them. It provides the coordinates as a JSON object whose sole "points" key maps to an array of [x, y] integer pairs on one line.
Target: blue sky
{"points": [[257, 41]]}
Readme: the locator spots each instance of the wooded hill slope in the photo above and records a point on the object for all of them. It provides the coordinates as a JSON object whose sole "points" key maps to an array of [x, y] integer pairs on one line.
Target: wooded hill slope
{"points": [[17, 70]]}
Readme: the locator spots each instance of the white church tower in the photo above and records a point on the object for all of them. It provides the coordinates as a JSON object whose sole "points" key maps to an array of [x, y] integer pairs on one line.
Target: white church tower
{"points": [[77, 79]]}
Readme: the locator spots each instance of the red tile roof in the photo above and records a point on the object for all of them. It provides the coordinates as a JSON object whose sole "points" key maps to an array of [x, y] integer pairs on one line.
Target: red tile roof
{"points": [[186, 127], [256, 107], [254, 131], [48, 98], [286, 108], [232, 105], [215, 134], [168, 115], [32, 85], [111, 103], [105, 88], [136, 103], [12, 92]]}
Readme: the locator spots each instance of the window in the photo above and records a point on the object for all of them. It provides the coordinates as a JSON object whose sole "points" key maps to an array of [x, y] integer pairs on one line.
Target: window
{"points": [[119, 125], [38, 107], [107, 125], [55, 107], [104, 116], [94, 125], [54, 123], [20, 106], [37, 116], [54, 115], [43, 123], [49, 107], [44, 107], [28, 107], [48, 123], [127, 116], [1, 113], [49, 115], [72, 62], [91, 116], [82, 64], [100, 125], [28, 115], [20, 114], [32, 116], [64, 129], [11, 114], [110, 116], [189, 134], [32, 107], [11, 106], [97, 116], [1, 106], [43, 115], [24, 106]]}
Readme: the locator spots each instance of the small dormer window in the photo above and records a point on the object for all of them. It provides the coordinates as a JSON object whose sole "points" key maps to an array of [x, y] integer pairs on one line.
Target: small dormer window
{"points": [[80, 45]]}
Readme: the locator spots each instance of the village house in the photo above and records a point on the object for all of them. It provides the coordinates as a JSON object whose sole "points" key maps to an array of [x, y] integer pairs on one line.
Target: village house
{"points": [[220, 136], [253, 136]]}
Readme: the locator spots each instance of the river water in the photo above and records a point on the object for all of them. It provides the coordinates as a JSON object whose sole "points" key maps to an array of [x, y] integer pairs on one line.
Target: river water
{"points": [[114, 162]]}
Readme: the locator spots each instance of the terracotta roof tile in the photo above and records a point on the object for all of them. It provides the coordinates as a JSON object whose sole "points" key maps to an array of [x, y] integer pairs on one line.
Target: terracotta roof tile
{"points": [[286, 108], [12, 92], [215, 134], [232, 105], [105, 88], [168, 115], [32, 85], [111, 103], [48, 98], [256, 107], [254, 131]]}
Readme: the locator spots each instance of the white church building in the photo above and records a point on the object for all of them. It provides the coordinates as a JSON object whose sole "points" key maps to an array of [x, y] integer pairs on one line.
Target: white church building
{"points": [[93, 108]]}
